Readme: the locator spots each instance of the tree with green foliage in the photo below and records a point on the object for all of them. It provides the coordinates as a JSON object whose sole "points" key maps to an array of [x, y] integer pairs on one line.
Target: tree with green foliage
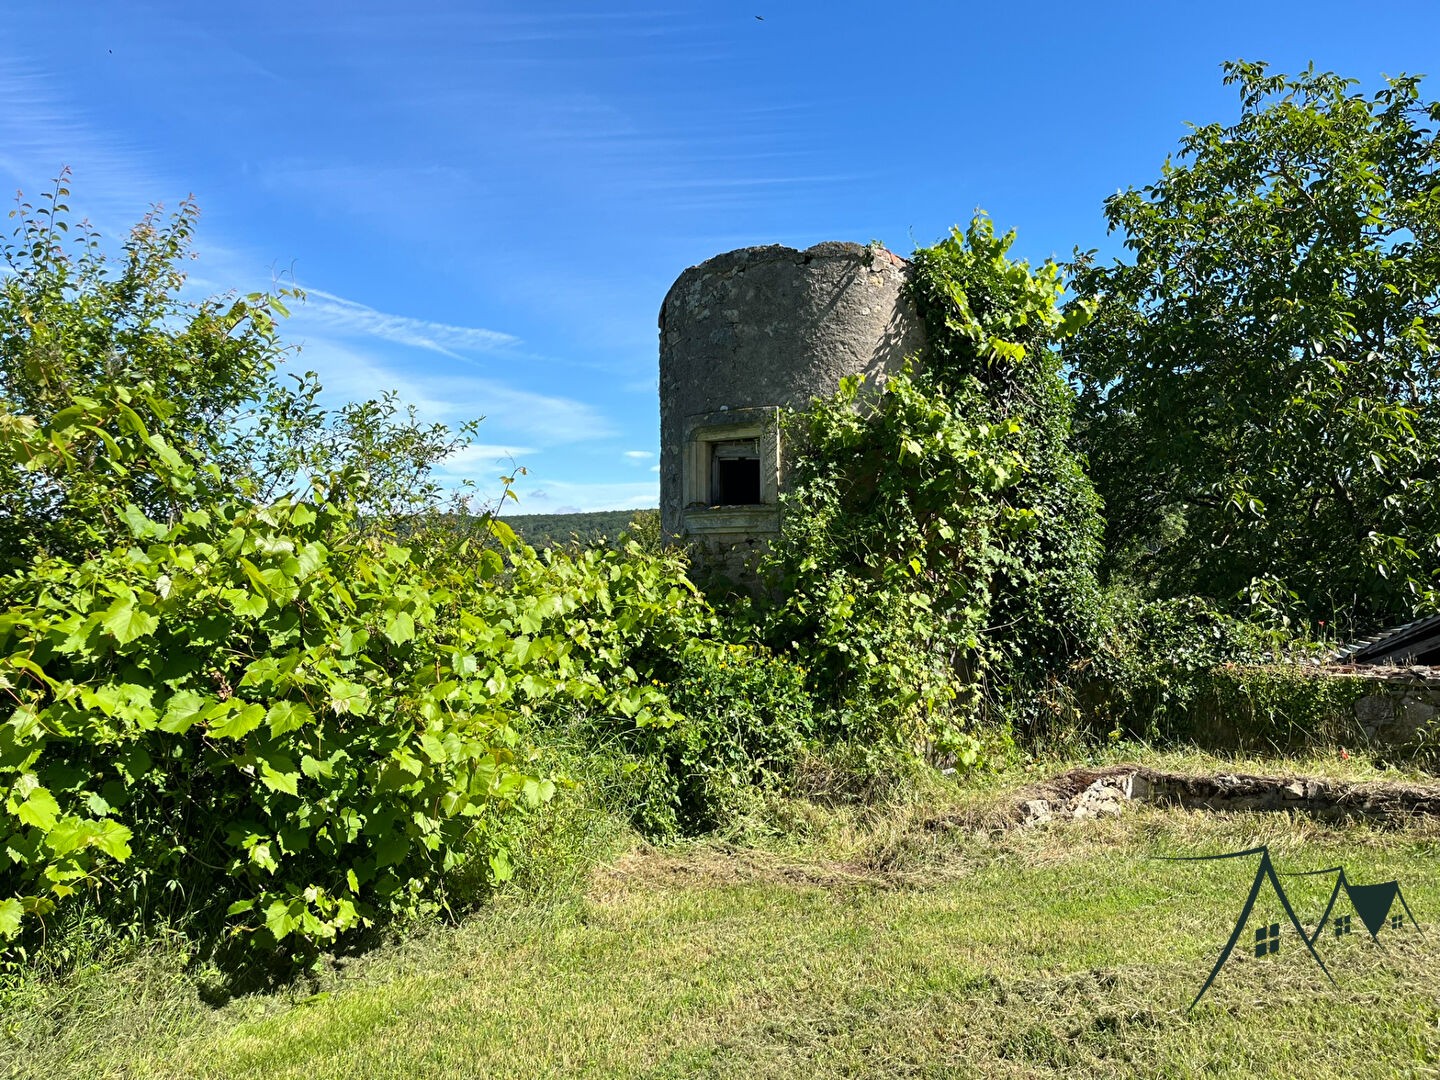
{"points": [[1258, 386], [77, 320]]}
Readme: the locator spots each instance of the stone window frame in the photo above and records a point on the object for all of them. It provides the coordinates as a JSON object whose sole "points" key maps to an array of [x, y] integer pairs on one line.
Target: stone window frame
{"points": [[703, 429]]}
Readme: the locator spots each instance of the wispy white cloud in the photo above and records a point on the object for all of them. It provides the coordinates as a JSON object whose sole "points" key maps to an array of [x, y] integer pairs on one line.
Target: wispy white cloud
{"points": [[567, 497], [638, 455], [327, 312], [486, 455], [483, 465], [546, 420], [477, 451], [532, 420], [41, 130]]}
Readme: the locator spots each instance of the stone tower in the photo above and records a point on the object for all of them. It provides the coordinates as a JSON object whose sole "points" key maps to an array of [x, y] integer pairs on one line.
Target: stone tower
{"points": [[744, 336]]}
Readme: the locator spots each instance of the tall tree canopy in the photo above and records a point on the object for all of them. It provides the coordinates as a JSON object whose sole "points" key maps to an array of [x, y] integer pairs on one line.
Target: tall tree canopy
{"points": [[78, 323], [1258, 386], [81, 324]]}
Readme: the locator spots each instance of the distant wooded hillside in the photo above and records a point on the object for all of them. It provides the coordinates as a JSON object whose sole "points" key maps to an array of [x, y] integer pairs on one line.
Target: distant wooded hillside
{"points": [[601, 527]]}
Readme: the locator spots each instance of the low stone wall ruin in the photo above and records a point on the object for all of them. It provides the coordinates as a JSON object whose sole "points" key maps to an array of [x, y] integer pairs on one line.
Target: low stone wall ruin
{"points": [[1400, 707], [1094, 793]]}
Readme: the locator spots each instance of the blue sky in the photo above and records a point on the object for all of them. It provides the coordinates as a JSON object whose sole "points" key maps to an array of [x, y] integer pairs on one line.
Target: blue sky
{"points": [[487, 201]]}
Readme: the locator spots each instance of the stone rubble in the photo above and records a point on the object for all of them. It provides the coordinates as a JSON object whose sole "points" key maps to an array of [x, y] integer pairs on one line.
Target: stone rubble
{"points": [[1087, 794]]}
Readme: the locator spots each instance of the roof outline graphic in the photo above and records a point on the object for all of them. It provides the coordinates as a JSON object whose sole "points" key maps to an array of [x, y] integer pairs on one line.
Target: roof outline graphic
{"points": [[1373, 903], [1265, 871]]}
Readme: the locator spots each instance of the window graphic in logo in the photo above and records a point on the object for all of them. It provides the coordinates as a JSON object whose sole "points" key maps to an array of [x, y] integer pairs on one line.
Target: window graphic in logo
{"points": [[1267, 939]]}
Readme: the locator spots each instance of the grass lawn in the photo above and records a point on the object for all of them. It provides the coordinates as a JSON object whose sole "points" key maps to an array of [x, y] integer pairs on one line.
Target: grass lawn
{"points": [[910, 942]]}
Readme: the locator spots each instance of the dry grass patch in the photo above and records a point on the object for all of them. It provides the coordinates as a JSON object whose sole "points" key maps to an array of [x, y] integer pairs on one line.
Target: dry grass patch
{"points": [[911, 940]]}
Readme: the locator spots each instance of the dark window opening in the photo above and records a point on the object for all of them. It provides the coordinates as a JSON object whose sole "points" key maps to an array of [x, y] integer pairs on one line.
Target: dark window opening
{"points": [[737, 482], [735, 473]]}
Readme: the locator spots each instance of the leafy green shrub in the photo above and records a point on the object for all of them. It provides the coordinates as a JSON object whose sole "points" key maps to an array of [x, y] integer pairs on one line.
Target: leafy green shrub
{"points": [[690, 724], [261, 705], [1185, 669], [1277, 706], [993, 328], [888, 542], [272, 716], [745, 717], [938, 545]]}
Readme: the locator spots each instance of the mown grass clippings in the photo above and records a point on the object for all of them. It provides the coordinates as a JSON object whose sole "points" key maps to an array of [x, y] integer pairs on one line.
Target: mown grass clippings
{"points": [[888, 950]]}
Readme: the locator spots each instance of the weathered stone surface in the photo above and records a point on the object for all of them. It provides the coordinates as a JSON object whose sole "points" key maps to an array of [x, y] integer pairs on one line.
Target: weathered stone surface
{"points": [[1396, 714], [773, 327], [1090, 793], [1035, 812], [1102, 798], [1418, 711]]}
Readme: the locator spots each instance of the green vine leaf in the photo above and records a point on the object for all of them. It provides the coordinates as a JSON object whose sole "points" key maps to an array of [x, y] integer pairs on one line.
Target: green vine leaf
{"points": [[126, 622], [11, 912], [39, 809]]}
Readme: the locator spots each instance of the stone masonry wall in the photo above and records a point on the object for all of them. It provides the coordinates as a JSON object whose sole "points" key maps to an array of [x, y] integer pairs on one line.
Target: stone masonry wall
{"points": [[771, 327], [1399, 709]]}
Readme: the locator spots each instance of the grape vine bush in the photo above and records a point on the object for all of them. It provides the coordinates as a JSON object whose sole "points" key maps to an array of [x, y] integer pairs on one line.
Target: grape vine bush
{"points": [[271, 707]]}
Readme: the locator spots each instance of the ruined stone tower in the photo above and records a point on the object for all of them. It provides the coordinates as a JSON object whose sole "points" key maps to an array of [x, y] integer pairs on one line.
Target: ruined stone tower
{"points": [[743, 336]]}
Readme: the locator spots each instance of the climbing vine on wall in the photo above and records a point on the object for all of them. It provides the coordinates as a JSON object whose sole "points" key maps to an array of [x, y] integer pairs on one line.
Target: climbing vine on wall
{"points": [[938, 543]]}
